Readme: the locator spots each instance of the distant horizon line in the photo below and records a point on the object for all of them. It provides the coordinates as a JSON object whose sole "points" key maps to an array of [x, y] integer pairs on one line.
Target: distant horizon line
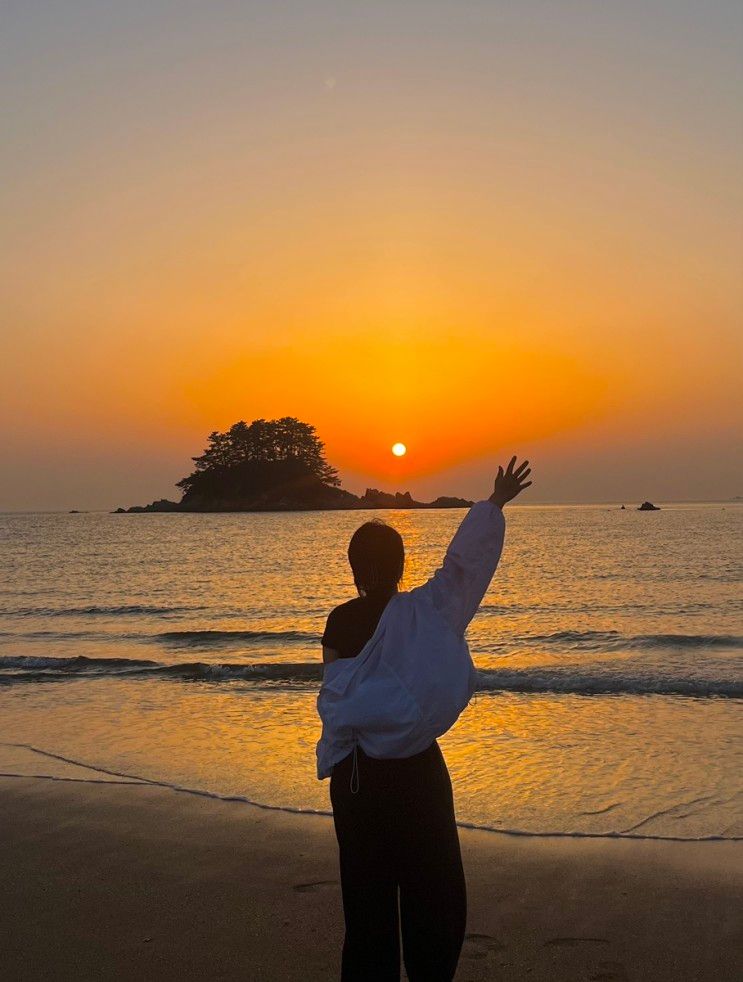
{"points": [[738, 499]]}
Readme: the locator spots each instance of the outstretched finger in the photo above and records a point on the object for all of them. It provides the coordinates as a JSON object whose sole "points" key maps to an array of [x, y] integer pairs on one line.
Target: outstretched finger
{"points": [[528, 483], [521, 468], [511, 462]]}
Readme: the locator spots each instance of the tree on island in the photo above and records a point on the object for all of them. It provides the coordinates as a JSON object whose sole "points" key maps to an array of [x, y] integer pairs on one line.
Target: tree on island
{"points": [[248, 462], [260, 442]]}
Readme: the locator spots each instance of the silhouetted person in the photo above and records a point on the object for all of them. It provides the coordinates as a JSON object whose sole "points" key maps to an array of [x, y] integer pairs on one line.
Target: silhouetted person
{"points": [[398, 673]]}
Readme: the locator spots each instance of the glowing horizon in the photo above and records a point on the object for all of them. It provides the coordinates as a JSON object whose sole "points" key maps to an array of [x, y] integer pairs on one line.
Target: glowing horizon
{"points": [[498, 230]]}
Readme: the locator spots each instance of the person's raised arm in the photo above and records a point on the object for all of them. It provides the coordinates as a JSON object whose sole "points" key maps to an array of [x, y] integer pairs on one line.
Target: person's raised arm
{"points": [[458, 586]]}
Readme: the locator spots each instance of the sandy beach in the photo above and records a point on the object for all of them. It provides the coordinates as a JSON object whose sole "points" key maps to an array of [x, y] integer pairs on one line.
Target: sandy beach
{"points": [[129, 881]]}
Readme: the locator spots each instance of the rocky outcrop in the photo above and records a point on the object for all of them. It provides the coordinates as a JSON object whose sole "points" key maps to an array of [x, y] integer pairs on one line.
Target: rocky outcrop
{"points": [[162, 505], [311, 496], [373, 498], [448, 502]]}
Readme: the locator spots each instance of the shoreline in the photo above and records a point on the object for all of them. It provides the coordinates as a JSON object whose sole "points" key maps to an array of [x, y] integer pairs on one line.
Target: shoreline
{"points": [[131, 881], [74, 771], [108, 776]]}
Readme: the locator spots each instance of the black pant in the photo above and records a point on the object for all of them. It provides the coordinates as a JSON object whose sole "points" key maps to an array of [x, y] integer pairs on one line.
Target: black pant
{"points": [[397, 832]]}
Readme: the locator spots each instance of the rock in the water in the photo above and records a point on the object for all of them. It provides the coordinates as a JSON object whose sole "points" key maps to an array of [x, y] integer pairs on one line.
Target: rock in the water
{"points": [[446, 501], [374, 498], [648, 506], [162, 505]]}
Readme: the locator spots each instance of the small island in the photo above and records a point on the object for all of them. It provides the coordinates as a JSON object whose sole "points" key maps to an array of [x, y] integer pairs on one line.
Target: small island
{"points": [[274, 465], [648, 506]]}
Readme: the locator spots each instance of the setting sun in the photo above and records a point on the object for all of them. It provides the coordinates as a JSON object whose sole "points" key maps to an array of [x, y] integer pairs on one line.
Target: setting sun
{"points": [[399, 449]]}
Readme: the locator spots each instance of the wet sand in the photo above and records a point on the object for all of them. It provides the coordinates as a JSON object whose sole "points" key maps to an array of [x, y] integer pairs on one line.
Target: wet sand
{"points": [[122, 881]]}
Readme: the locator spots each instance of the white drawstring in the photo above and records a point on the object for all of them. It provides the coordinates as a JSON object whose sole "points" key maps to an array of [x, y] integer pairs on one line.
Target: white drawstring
{"points": [[355, 768]]}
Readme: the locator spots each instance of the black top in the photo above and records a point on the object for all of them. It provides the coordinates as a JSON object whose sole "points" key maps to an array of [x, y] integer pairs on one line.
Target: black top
{"points": [[350, 626]]}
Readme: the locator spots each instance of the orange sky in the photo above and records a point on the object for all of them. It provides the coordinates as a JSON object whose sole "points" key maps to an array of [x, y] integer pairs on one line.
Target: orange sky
{"points": [[474, 230]]}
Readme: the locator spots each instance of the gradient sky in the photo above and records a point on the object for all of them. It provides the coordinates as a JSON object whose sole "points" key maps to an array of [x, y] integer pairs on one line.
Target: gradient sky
{"points": [[475, 227]]}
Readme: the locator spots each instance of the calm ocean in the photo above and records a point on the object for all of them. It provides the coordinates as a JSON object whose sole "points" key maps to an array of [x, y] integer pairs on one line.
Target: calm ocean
{"points": [[184, 649]]}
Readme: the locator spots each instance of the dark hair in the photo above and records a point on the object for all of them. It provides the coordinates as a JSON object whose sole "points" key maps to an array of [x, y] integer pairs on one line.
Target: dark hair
{"points": [[377, 557]]}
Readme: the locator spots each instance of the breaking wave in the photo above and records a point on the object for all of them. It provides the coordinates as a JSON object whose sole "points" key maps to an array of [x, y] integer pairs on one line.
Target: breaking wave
{"points": [[612, 641], [120, 610], [575, 681]]}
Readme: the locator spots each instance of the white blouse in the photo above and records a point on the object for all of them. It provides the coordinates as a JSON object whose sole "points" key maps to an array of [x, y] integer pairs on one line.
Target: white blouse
{"points": [[414, 676]]}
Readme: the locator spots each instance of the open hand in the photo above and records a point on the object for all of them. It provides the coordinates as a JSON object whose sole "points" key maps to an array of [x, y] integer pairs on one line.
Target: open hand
{"points": [[510, 482]]}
